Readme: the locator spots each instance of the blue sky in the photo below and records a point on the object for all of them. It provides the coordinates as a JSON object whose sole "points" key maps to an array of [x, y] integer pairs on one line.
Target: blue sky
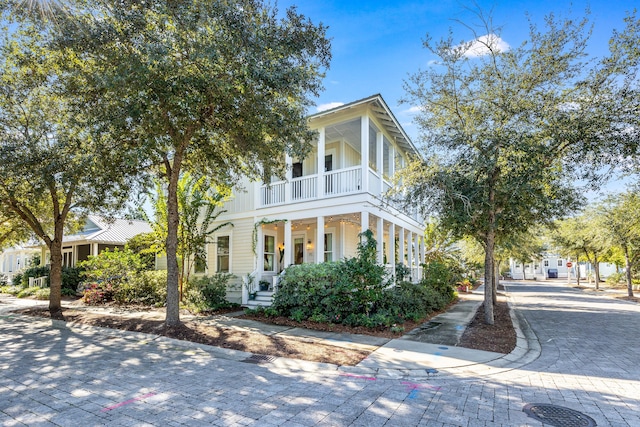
{"points": [[377, 44]]}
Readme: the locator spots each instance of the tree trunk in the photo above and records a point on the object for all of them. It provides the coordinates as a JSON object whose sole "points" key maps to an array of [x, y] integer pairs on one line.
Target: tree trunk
{"points": [[627, 262], [55, 274], [578, 270], [596, 270], [173, 297], [488, 278]]}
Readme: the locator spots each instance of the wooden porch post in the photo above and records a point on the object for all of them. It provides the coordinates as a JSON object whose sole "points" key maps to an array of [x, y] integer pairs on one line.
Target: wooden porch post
{"points": [[320, 240], [320, 163], [364, 152], [392, 248], [288, 252], [380, 242]]}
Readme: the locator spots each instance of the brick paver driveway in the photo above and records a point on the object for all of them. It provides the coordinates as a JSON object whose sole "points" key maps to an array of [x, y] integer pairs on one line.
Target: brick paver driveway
{"points": [[52, 375]]}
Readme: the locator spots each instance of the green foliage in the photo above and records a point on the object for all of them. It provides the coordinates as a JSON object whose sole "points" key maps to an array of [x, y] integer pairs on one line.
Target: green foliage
{"points": [[517, 126], [27, 292], [34, 272], [111, 266], [50, 160], [171, 82], [142, 287], [42, 294], [17, 280], [615, 278], [353, 292], [207, 293], [145, 245], [11, 290]]}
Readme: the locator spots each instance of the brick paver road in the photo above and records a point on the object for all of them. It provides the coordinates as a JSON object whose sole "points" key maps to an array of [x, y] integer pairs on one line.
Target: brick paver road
{"points": [[58, 376]]}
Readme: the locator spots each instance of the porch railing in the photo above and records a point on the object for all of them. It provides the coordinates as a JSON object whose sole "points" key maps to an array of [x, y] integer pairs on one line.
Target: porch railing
{"points": [[305, 187], [343, 181], [272, 194], [40, 282]]}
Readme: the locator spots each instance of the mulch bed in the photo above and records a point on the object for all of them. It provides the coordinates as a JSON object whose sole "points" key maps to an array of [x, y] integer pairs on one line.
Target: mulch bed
{"points": [[499, 337]]}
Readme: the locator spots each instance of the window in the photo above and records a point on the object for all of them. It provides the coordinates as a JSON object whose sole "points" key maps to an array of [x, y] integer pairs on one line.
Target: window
{"points": [[328, 247], [222, 254], [269, 253], [559, 263], [373, 148], [546, 263], [67, 256]]}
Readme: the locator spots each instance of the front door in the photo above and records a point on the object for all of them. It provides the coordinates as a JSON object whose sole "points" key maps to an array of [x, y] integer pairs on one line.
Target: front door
{"points": [[298, 250]]}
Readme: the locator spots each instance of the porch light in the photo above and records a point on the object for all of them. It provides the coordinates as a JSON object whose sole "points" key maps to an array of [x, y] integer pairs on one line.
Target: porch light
{"points": [[309, 245]]}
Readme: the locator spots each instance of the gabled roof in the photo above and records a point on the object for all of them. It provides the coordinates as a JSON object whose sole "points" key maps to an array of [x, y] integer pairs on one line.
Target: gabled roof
{"points": [[383, 113], [111, 231]]}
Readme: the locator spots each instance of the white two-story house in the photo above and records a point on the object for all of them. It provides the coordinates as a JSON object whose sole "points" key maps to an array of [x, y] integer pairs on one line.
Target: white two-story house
{"points": [[326, 200]]}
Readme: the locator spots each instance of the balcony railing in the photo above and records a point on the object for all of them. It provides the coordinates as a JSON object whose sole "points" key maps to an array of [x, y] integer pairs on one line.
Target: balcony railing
{"points": [[343, 181], [272, 194], [305, 187]]}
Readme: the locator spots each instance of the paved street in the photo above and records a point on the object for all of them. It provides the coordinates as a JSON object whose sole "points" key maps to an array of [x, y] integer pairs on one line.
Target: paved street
{"points": [[52, 375]]}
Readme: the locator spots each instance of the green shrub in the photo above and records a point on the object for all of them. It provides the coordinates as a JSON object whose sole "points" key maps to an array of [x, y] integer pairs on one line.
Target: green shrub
{"points": [[97, 293], [71, 278], [143, 287], [11, 290], [207, 293], [42, 294], [34, 272], [111, 266], [27, 292], [615, 279], [17, 279]]}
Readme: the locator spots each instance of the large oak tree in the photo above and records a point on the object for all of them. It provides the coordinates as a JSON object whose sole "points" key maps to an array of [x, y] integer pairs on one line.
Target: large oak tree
{"points": [[509, 130], [216, 87]]}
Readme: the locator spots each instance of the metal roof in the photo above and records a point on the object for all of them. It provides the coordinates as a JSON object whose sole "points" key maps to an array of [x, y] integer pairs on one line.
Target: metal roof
{"points": [[113, 231]]}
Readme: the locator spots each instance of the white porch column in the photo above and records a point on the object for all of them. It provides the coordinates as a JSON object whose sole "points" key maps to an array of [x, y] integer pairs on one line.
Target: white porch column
{"points": [[288, 253], [364, 222], [379, 161], [260, 252], [320, 240], [320, 165], [94, 249], [401, 247], [364, 152], [289, 174], [423, 250], [380, 242], [392, 248]]}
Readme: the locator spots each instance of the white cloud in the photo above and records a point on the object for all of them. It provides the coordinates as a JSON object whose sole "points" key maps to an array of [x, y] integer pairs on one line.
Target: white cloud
{"points": [[480, 46], [328, 106], [414, 110]]}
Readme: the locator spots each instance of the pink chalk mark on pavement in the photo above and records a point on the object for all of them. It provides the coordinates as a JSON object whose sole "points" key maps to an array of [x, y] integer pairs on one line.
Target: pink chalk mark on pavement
{"points": [[416, 386], [362, 377], [126, 402]]}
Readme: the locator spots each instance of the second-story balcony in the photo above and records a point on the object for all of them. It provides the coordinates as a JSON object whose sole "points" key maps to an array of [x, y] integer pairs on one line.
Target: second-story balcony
{"points": [[329, 184]]}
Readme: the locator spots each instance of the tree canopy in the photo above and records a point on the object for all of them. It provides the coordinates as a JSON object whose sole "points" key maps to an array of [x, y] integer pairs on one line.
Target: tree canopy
{"points": [[504, 128], [218, 88], [52, 166]]}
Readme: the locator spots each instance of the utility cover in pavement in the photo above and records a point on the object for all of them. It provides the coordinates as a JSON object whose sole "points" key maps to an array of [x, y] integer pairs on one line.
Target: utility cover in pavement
{"points": [[557, 415], [259, 358]]}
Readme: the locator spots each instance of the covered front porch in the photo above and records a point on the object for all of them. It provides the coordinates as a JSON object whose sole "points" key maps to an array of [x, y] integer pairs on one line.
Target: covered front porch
{"points": [[283, 243]]}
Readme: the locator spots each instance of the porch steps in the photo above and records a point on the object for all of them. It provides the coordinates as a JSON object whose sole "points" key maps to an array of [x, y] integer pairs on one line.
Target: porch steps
{"points": [[263, 298]]}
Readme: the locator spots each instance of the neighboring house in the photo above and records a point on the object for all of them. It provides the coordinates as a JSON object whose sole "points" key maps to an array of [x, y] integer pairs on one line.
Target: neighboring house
{"points": [[326, 200], [553, 266], [97, 235], [15, 259]]}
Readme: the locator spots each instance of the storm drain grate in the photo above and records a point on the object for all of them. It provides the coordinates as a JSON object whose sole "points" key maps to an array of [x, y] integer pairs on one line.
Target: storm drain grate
{"points": [[259, 358], [558, 416]]}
